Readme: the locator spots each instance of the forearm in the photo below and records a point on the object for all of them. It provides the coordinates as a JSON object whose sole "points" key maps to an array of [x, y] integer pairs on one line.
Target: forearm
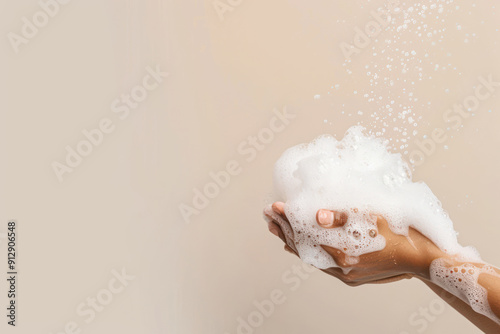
{"points": [[482, 322], [473, 289], [492, 285]]}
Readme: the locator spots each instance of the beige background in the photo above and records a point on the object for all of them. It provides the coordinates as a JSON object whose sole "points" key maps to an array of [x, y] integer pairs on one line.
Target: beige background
{"points": [[120, 207]]}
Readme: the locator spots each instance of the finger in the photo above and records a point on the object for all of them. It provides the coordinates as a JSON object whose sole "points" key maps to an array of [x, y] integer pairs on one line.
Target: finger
{"points": [[276, 230], [383, 226], [331, 219], [337, 272], [355, 278], [290, 250], [279, 208], [391, 279], [273, 228], [349, 279], [277, 212], [337, 255]]}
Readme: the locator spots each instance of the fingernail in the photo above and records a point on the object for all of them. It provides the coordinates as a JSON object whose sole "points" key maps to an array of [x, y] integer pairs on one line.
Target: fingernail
{"points": [[325, 218]]}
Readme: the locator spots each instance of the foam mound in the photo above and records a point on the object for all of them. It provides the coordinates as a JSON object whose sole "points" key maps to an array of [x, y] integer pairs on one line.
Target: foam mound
{"points": [[358, 172]]}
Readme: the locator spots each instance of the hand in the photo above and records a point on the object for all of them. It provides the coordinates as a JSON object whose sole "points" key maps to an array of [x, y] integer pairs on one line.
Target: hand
{"points": [[402, 257]]}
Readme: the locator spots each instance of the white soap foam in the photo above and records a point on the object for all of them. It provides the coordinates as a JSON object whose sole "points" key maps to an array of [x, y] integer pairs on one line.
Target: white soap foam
{"points": [[356, 172]]}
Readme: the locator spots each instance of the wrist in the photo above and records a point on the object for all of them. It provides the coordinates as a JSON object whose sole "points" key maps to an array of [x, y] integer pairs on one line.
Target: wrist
{"points": [[426, 257], [421, 253]]}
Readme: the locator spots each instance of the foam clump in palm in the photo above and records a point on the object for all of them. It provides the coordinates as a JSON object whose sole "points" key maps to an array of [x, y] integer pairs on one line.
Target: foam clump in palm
{"points": [[358, 175]]}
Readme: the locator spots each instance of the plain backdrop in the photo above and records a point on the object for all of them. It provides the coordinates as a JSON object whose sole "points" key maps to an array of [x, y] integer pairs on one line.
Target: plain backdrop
{"points": [[120, 207]]}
